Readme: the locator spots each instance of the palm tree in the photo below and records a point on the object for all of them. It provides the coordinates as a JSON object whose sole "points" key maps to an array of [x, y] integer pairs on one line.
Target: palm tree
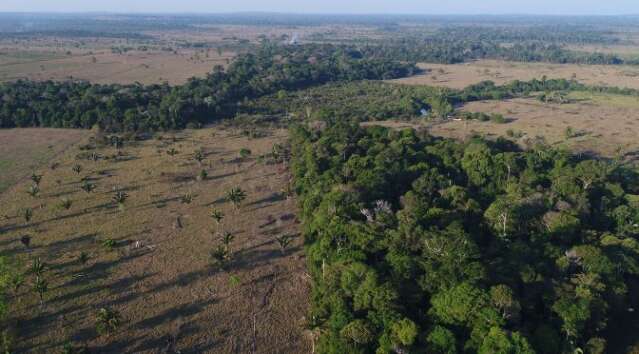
{"points": [[236, 196], [284, 241], [66, 203], [227, 238], [244, 153], [220, 256], [26, 240], [37, 267], [217, 215], [83, 258], [77, 168], [202, 175], [41, 287], [36, 178], [88, 186], [199, 156], [119, 198], [34, 190], [27, 214], [187, 198], [107, 321]]}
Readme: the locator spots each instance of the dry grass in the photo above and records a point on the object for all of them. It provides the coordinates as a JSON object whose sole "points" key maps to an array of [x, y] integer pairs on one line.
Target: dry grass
{"points": [[604, 125], [159, 276], [462, 75], [22, 151], [105, 67]]}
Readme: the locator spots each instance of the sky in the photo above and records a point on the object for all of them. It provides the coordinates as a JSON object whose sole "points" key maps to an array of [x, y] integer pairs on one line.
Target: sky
{"points": [[545, 7]]}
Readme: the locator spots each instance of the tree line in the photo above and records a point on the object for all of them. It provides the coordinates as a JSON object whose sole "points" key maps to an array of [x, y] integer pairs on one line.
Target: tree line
{"points": [[426, 245], [372, 100], [453, 51], [114, 107]]}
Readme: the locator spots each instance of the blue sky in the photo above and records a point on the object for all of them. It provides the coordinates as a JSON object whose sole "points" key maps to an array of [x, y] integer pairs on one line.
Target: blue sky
{"points": [[552, 7]]}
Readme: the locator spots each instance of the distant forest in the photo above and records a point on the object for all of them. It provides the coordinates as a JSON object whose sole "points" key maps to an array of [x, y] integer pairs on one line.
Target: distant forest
{"points": [[115, 107]]}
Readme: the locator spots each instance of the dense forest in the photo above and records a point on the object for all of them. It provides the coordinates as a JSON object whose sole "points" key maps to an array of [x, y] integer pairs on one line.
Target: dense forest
{"points": [[422, 245], [271, 69]]}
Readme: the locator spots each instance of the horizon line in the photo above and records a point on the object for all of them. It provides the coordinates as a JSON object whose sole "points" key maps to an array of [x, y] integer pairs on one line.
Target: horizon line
{"points": [[204, 13]]}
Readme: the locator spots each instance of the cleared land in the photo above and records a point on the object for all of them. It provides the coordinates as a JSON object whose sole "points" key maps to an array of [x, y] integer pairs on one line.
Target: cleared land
{"points": [[604, 125], [23, 151], [105, 67], [461, 75], [158, 275]]}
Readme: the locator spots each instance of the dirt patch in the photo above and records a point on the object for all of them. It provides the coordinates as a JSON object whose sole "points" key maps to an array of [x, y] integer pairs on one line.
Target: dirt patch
{"points": [[158, 275], [462, 75]]}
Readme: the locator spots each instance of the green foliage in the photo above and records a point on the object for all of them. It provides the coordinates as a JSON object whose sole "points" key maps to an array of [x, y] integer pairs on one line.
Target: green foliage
{"points": [[220, 257], [498, 341], [422, 244], [36, 178], [244, 153], [199, 156], [66, 203], [88, 187], [109, 244], [236, 196], [27, 214], [187, 198], [119, 198], [284, 241], [77, 168], [404, 331], [441, 340], [217, 215], [33, 190], [117, 107], [107, 321], [202, 175]]}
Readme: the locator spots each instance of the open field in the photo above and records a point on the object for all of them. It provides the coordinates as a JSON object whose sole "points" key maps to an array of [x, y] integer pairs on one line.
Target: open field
{"points": [[461, 75], [104, 66], [22, 151], [597, 127], [157, 272], [601, 124]]}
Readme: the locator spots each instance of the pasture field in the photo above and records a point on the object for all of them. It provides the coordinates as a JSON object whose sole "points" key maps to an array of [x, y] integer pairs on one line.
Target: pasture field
{"points": [[590, 126], [460, 76], [105, 67], [599, 124], [150, 259], [23, 151]]}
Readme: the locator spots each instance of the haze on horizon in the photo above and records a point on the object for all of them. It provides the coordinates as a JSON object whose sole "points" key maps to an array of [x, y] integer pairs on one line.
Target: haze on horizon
{"points": [[462, 7]]}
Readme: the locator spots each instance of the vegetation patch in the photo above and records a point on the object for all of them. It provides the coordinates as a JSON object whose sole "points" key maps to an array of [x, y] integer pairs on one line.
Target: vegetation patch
{"points": [[418, 244]]}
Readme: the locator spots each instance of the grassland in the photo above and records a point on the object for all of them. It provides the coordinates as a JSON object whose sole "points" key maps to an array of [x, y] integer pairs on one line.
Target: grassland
{"points": [[151, 262], [598, 124], [462, 75], [104, 66], [22, 151]]}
